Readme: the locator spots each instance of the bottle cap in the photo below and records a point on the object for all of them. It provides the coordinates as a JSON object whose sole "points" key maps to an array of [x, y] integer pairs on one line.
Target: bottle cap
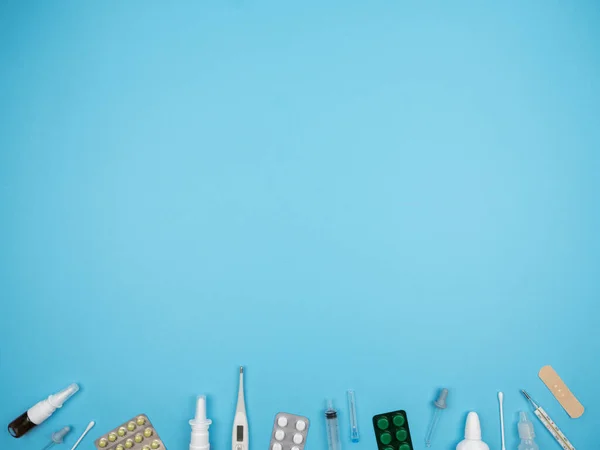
{"points": [[59, 398], [473, 427], [200, 417], [201, 408]]}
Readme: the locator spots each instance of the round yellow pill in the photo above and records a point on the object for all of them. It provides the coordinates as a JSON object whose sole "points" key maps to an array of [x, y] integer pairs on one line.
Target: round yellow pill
{"points": [[146, 447], [131, 426], [112, 437], [122, 431], [119, 447], [103, 443], [128, 443], [139, 438], [141, 420], [155, 444], [148, 432]]}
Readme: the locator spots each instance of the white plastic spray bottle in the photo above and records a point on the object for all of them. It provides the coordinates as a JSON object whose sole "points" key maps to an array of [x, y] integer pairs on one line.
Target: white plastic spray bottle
{"points": [[40, 412], [200, 424], [472, 435]]}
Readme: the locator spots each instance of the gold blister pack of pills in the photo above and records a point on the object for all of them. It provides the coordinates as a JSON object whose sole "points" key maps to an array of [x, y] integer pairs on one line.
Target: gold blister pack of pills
{"points": [[135, 434]]}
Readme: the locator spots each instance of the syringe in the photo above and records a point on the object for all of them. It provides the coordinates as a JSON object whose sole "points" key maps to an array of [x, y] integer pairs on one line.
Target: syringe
{"points": [[549, 423], [333, 431]]}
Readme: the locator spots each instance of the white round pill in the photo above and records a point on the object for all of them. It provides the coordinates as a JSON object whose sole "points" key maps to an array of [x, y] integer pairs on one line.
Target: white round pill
{"points": [[279, 435], [298, 438], [277, 446], [295, 448], [301, 425], [282, 421]]}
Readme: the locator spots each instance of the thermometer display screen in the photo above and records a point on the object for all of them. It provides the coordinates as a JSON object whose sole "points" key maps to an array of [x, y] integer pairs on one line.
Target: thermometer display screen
{"points": [[240, 433]]}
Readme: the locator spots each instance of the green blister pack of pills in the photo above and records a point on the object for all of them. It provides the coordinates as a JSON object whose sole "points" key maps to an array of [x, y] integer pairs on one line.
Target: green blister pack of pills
{"points": [[392, 432], [135, 434]]}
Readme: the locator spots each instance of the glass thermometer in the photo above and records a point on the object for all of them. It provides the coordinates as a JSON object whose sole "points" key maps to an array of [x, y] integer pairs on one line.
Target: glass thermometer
{"points": [[549, 424]]}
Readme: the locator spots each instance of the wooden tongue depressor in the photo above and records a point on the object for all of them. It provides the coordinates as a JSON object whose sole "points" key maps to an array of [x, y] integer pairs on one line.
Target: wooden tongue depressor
{"points": [[562, 393]]}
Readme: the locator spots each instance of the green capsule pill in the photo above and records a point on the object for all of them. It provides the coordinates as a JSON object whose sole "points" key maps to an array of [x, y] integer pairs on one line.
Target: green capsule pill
{"points": [[148, 432], [141, 420], [128, 443], [404, 447], [122, 431], [131, 426], [103, 443], [383, 423], [398, 420], [385, 438], [155, 444], [138, 438], [112, 437], [401, 434]]}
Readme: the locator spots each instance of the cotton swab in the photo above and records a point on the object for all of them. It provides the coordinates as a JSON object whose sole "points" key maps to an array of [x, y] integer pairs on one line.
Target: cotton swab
{"points": [[501, 401], [86, 431]]}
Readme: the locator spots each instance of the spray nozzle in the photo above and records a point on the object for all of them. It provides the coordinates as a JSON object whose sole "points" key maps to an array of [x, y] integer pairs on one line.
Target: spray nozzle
{"points": [[200, 417], [59, 398], [473, 427], [201, 408], [200, 425]]}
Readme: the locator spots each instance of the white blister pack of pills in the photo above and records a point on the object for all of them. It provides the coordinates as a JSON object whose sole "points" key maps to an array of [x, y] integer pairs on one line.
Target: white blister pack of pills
{"points": [[289, 432]]}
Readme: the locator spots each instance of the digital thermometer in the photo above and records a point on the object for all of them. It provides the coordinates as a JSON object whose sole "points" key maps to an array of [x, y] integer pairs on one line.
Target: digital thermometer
{"points": [[239, 439]]}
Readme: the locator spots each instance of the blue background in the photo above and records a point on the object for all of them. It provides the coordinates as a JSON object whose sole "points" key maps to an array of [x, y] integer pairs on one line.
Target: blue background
{"points": [[380, 195]]}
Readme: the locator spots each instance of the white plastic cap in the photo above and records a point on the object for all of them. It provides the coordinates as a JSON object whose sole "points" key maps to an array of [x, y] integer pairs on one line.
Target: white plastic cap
{"points": [[473, 427], [201, 408], [58, 399], [200, 422]]}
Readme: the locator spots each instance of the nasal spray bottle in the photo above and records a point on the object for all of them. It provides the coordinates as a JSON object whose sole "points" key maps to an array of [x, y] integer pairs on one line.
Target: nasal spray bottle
{"points": [[40, 412], [200, 424], [472, 435]]}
